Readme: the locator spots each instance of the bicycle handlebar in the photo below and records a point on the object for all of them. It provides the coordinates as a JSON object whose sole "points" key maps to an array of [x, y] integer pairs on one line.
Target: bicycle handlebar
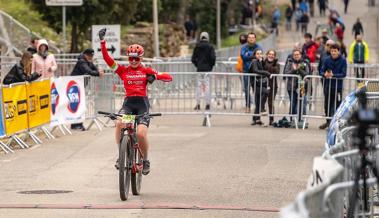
{"points": [[114, 115]]}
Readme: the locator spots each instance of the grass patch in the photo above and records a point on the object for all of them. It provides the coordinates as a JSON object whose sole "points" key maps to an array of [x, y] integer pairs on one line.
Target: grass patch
{"points": [[22, 12]]}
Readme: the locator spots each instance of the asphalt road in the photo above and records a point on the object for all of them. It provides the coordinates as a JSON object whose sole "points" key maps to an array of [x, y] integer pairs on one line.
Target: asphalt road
{"points": [[229, 170]]}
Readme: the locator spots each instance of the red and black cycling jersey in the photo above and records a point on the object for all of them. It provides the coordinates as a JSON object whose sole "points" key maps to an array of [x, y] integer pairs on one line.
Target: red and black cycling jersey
{"points": [[135, 79]]}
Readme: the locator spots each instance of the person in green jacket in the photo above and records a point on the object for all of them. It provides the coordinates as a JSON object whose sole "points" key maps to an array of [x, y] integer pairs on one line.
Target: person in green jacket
{"points": [[359, 54]]}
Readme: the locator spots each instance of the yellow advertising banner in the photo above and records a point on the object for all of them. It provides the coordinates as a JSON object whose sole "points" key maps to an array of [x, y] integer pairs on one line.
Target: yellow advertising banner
{"points": [[15, 109], [38, 96]]}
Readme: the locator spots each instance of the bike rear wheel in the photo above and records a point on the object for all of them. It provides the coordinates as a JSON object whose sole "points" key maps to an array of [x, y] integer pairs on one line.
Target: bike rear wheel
{"points": [[137, 176], [124, 167]]}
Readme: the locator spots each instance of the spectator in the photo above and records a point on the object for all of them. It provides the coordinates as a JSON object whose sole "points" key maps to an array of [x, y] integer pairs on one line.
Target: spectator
{"points": [[339, 32], [246, 12], [312, 7], [343, 48], [304, 22], [298, 16], [346, 4], [333, 72], [239, 65], [322, 6], [324, 35], [357, 28], [299, 66], [204, 58], [359, 54], [189, 26], [310, 47], [271, 65], [293, 2], [260, 83], [85, 66], [325, 54], [43, 62], [303, 6], [275, 20], [321, 47], [32, 49], [22, 71], [289, 13], [247, 55]]}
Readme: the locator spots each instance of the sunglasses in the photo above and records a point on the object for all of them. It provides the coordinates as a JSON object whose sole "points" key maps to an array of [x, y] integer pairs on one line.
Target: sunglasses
{"points": [[131, 59]]}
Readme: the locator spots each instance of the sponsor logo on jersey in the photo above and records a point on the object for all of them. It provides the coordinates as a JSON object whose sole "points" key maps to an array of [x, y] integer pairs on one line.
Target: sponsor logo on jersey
{"points": [[73, 95], [54, 98]]}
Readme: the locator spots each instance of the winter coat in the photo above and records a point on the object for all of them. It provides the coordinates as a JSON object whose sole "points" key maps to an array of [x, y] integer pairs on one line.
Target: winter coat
{"points": [[16, 74], [304, 6], [359, 53], [84, 67], [204, 56], [289, 13], [273, 68], [311, 50], [247, 54], [257, 67], [42, 64], [323, 56], [338, 67], [292, 83]]}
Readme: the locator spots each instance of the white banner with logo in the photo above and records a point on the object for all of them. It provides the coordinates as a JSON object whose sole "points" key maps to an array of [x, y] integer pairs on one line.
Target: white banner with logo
{"points": [[67, 100]]}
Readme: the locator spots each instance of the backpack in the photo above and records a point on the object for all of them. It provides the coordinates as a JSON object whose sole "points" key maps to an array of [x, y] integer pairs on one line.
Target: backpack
{"points": [[239, 65]]}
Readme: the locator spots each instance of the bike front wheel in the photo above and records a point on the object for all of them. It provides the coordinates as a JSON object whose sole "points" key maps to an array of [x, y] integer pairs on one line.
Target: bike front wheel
{"points": [[137, 174], [124, 167]]}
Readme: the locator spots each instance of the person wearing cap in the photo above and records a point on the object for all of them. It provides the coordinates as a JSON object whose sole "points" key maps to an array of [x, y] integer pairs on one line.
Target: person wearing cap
{"points": [[44, 62], [85, 66], [204, 58]]}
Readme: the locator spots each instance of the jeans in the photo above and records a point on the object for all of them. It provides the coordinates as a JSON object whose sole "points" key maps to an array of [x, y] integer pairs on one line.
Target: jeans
{"points": [[246, 89], [296, 104]]}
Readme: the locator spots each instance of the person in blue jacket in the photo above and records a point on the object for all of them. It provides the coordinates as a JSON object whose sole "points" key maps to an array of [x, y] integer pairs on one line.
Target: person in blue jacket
{"points": [[247, 55], [333, 71]]}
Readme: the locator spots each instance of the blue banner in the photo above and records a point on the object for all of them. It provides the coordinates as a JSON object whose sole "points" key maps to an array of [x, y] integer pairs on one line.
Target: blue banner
{"points": [[2, 130]]}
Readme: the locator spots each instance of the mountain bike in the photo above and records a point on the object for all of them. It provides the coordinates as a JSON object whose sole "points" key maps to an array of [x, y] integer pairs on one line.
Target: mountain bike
{"points": [[130, 162]]}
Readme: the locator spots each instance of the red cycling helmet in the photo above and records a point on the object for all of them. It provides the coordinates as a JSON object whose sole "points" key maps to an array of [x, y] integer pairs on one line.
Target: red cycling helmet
{"points": [[135, 50]]}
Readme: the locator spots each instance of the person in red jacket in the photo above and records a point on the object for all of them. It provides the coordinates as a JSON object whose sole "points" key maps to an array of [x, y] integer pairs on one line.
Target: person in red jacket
{"points": [[339, 32], [310, 48], [135, 77]]}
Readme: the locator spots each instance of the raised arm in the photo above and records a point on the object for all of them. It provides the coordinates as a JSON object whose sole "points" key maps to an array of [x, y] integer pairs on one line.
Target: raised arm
{"points": [[107, 58]]}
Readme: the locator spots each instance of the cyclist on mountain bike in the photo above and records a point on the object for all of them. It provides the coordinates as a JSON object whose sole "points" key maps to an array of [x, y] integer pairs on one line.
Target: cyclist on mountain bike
{"points": [[135, 77]]}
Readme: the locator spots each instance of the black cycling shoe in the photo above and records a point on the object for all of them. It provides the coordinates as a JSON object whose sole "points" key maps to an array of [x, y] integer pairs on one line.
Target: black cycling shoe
{"points": [[146, 167], [117, 165]]}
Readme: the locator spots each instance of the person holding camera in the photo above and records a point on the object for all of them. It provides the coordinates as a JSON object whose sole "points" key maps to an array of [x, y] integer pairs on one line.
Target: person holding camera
{"points": [[299, 66], [333, 71]]}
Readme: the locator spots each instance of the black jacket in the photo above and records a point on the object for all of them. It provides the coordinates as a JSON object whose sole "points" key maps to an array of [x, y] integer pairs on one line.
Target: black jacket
{"points": [[204, 57], [16, 74], [273, 68], [257, 67], [84, 67]]}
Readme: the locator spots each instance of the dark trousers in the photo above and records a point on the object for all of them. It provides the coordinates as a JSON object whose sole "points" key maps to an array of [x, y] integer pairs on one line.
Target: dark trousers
{"points": [[271, 97], [260, 100], [77, 125], [359, 71], [322, 10], [332, 101], [246, 89]]}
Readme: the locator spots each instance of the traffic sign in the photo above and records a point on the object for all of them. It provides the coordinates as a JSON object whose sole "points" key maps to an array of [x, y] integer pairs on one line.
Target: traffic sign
{"points": [[64, 2], [112, 38]]}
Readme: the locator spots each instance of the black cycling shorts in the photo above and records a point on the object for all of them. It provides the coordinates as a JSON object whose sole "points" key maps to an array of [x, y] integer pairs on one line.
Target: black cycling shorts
{"points": [[137, 106]]}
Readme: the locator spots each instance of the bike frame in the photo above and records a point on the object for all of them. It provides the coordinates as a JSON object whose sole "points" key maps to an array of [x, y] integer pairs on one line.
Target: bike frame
{"points": [[131, 131]]}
